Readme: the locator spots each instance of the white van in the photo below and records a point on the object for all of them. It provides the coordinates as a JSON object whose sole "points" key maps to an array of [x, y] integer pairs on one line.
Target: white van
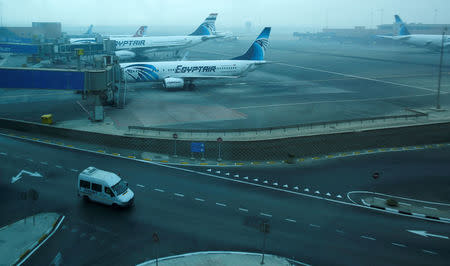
{"points": [[104, 187]]}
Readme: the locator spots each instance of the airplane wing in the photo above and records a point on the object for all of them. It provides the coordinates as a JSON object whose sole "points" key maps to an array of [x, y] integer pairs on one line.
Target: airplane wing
{"points": [[162, 46], [394, 37]]}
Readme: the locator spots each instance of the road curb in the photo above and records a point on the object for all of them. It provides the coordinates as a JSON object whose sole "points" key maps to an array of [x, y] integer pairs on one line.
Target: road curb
{"points": [[429, 217], [38, 243], [220, 252]]}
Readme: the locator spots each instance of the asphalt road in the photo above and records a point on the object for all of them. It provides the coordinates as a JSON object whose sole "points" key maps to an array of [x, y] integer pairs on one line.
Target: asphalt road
{"points": [[401, 174], [195, 211]]}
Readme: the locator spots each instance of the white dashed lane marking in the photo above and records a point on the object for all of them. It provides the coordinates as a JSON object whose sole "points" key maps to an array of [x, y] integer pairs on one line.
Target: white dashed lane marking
{"points": [[139, 185], [44, 163], [339, 231], [314, 225], [3, 153], [243, 210], [199, 199], [369, 238], [74, 170], [58, 166], [290, 220], [178, 194], [398, 245], [159, 190], [265, 214], [429, 252], [221, 204]]}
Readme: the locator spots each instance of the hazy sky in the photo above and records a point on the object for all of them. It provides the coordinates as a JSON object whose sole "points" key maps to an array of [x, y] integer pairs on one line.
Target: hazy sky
{"points": [[232, 13]]}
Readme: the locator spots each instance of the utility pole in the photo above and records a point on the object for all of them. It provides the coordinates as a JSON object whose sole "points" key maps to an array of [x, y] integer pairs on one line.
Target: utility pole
{"points": [[371, 19], [1, 14], [438, 98], [381, 16], [435, 16]]}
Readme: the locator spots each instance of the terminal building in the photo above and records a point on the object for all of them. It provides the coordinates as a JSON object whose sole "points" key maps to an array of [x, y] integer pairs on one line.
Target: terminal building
{"points": [[368, 35], [39, 32]]}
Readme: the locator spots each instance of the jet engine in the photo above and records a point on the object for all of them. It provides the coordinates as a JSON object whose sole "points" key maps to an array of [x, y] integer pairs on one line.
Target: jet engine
{"points": [[170, 83]]}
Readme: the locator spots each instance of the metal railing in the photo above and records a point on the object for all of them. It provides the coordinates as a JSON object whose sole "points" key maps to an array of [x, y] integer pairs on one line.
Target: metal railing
{"points": [[362, 122]]}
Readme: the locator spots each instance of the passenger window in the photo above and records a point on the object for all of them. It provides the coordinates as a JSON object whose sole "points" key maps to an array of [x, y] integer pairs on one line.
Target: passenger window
{"points": [[109, 192], [85, 184], [97, 187]]}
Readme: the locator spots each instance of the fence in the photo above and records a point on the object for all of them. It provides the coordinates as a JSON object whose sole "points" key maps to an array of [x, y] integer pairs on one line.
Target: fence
{"points": [[245, 134], [270, 149]]}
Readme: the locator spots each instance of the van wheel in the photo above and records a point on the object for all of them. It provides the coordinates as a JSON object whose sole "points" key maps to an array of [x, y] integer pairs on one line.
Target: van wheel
{"points": [[86, 198]]}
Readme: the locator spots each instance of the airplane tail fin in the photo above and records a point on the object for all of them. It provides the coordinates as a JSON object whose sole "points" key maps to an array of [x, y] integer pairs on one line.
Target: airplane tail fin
{"points": [[258, 48], [141, 31], [89, 31], [208, 27], [402, 30], [398, 20]]}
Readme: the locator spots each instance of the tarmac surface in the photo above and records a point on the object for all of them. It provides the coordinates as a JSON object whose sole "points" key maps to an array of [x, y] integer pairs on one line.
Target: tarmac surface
{"points": [[303, 82]]}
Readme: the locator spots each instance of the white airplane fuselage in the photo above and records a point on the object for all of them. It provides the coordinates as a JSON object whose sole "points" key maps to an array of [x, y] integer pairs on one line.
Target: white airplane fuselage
{"points": [[423, 40], [158, 43], [188, 70]]}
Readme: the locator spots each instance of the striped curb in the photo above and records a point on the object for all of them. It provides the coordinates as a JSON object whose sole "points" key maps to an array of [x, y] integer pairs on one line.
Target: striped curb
{"points": [[41, 240], [387, 209]]}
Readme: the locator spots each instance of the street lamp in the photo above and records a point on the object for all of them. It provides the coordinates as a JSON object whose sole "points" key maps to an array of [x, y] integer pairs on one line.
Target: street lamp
{"points": [[438, 99]]}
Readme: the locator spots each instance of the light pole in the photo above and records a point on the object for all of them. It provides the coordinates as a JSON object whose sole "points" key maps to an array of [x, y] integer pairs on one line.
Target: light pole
{"points": [[156, 241], [438, 98], [265, 229]]}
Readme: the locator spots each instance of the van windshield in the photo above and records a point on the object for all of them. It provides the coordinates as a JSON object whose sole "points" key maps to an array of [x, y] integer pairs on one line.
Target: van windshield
{"points": [[120, 187]]}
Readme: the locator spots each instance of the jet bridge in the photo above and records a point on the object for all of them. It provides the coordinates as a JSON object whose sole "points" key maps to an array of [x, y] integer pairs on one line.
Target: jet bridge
{"points": [[103, 85]]}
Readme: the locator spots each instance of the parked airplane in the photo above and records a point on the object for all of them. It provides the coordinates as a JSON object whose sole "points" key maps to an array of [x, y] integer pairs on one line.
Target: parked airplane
{"points": [[433, 42], [129, 47], [179, 74], [139, 33]]}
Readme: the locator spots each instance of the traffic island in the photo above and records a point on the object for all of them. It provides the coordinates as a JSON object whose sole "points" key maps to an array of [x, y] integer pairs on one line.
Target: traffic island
{"points": [[213, 258], [20, 239], [422, 209]]}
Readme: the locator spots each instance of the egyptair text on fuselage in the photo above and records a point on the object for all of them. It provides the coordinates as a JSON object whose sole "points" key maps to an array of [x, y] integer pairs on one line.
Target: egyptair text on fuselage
{"points": [[184, 69], [130, 43]]}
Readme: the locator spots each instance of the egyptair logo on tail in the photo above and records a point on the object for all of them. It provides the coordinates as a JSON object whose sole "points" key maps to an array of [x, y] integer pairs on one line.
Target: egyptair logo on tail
{"points": [[210, 26], [210, 23], [140, 32], [263, 43]]}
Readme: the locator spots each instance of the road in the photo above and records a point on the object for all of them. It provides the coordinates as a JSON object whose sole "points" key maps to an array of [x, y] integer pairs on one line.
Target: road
{"points": [[196, 211]]}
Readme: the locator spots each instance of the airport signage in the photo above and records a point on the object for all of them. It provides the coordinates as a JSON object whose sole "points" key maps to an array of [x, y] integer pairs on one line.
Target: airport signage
{"points": [[197, 147]]}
